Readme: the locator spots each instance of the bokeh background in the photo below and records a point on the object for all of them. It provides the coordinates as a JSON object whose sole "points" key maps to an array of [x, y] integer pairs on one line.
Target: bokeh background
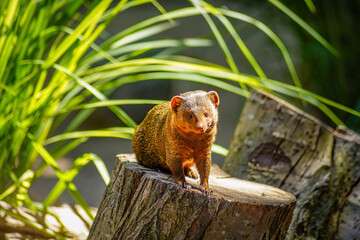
{"points": [[336, 78]]}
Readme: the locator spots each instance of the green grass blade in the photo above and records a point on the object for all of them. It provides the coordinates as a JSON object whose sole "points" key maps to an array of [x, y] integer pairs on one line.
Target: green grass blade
{"points": [[135, 29], [79, 199], [189, 77], [92, 17], [147, 45], [60, 186], [107, 103], [9, 191], [67, 148], [310, 95], [265, 29], [116, 132], [69, 185], [289, 91], [142, 34], [55, 193], [118, 111], [305, 26], [241, 45], [211, 71], [22, 190], [12, 9], [162, 10], [124, 39], [97, 49], [90, 36], [172, 70], [6, 88], [79, 119], [29, 174], [46, 156], [32, 224], [100, 166], [219, 150], [220, 40], [310, 5]]}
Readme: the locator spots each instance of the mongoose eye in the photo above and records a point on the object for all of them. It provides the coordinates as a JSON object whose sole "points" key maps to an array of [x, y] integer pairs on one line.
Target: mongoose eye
{"points": [[206, 114], [189, 116]]}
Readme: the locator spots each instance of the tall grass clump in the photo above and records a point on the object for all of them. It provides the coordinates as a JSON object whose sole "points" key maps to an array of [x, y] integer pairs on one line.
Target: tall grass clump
{"points": [[51, 70], [42, 47]]}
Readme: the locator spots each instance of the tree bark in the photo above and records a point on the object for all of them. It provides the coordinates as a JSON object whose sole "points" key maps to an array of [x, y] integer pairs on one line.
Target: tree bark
{"points": [[141, 203], [278, 144]]}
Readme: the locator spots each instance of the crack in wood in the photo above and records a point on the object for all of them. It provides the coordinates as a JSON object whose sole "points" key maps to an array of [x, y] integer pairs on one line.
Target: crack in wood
{"points": [[292, 169]]}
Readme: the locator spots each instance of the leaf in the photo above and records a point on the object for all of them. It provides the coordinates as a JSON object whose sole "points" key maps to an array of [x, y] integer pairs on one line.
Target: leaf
{"points": [[32, 224], [119, 112], [119, 132], [310, 5], [215, 72], [24, 180], [69, 175], [92, 17], [63, 178], [220, 40], [305, 26], [66, 149], [113, 102], [265, 29], [219, 150], [100, 165], [144, 45], [241, 45]]}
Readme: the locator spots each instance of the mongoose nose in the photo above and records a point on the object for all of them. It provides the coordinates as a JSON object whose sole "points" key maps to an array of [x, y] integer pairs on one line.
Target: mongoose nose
{"points": [[200, 127]]}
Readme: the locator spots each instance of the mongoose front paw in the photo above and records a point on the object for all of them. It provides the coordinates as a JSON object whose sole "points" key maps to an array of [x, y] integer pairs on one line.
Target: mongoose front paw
{"points": [[190, 173], [205, 190]]}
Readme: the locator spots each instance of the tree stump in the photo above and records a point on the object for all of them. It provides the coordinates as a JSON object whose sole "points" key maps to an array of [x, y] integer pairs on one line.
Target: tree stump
{"points": [[278, 144], [141, 203]]}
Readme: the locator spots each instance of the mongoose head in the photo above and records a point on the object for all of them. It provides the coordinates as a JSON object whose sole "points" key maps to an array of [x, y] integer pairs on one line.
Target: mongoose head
{"points": [[196, 112]]}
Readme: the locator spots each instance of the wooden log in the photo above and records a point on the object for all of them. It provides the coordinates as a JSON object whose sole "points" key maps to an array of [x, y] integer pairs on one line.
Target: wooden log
{"points": [[278, 144], [141, 203]]}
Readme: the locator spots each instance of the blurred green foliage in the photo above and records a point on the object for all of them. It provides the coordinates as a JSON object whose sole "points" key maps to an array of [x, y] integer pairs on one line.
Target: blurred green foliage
{"points": [[334, 76]]}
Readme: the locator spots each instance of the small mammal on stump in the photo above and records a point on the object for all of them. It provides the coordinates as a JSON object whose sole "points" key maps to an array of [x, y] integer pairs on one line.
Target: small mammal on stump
{"points": [[176, 135]]}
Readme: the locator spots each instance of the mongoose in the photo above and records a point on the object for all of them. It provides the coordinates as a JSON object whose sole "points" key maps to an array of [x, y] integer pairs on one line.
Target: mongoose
{"points": [[176, 135]]}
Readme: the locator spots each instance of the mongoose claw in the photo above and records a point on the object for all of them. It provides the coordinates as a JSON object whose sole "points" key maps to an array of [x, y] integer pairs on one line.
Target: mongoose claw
{"points": [[206, 192], [185, 185]]}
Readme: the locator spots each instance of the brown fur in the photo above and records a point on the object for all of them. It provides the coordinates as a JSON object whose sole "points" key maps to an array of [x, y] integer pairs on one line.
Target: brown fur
{"points": [[170, 139]]}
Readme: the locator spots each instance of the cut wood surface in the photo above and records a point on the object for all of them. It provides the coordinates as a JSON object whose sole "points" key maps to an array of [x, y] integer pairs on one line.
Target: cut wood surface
{"points": [[141, 203], [278, 144]]}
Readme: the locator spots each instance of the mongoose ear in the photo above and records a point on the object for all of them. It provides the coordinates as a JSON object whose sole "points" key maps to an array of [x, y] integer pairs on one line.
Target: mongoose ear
{"points": [[176, 102], [214, 98]]}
